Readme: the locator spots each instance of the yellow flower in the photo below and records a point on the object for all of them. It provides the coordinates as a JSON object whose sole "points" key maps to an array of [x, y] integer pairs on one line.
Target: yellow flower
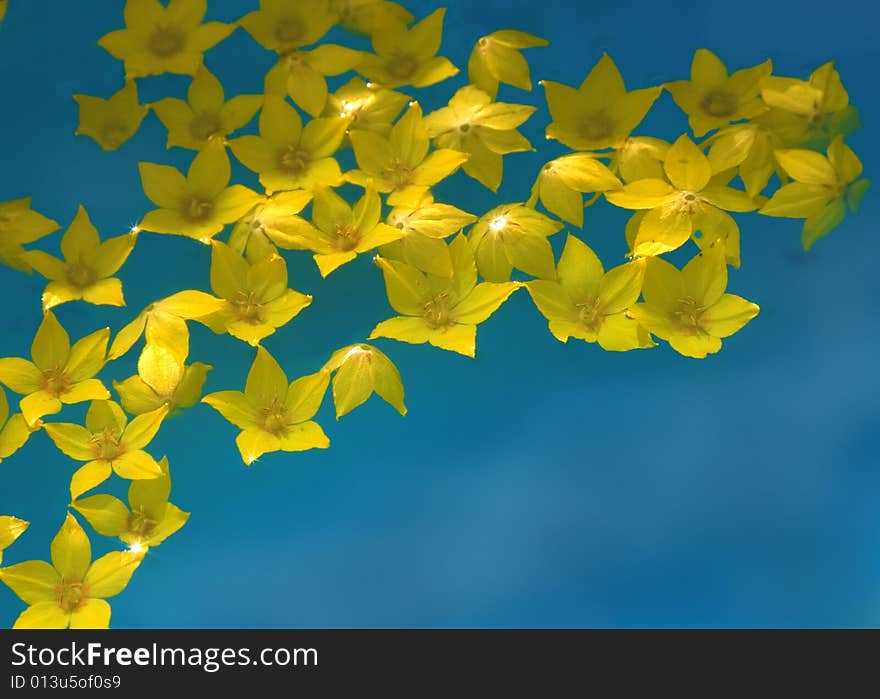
{"points": [[598, 114], [159, 39], [154, 386], [639, 158], [14, 431], [689, 308], [72, 591], [485, 130], [369, 108], [513, 236], [424, 227], [59, 374], [108, 443], [273, 416], [358, 372], [284, 26], [198, 205], [273, 224], [589, 303], [150, 521], [801, 108], [400, 164], [341, 232], [408, 56], [822, 189], [441, 311], [10, 529], [287, 155], [693, 202], [3, 5], [302, 74], [749, 149], [20, 224], [712, 98], [111, 122], [496, 58], [257, 300], [367, 16], [206, 115], [87, 270], [561, 183]]}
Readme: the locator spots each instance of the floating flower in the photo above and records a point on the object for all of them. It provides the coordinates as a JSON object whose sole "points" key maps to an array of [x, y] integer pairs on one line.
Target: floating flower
{"points": [[159, 39], [257, 300], [273, 415], [822, 189], [561, 183], [287, 155], [111, 122], [370, 108], [108, 443], [198, 205], [19, 224], [598, 114], [689, 308], [400, 164], [150, 521], [284, 26], [693, 202], [206, 115], [424, 227], [496, 58], [712, 98], [408, 56], [72, 591], [87, 270], [358, 372], [342, 232], [485, 130], [440, 311], [156, 384], [513, 236], [59, 374], [273, 224], [589, 303], [367, 16], [303, 74]]}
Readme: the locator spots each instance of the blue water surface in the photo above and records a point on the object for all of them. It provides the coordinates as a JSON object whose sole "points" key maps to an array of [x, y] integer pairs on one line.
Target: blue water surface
{"points": [[542, 484]]}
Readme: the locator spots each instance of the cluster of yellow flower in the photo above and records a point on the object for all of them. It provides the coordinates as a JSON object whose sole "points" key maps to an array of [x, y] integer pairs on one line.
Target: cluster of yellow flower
{"points": [[441, 281]]}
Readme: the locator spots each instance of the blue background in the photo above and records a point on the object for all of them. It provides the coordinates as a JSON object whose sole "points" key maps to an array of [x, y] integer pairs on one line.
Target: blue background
{"points": [[541, 484]]}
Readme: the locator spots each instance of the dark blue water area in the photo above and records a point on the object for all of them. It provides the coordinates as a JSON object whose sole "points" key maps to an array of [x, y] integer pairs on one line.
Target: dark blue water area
{"points": [[542, 484]]}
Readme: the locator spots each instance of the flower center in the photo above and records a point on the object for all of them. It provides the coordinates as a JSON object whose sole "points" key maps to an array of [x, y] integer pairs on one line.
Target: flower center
{"points": [[689, 202], [71, 595], [206, 125], [114, 133], [294, 160], [464, 128], [436, 311], [80, 275], [248, 307], [55, 381], [139, 523], [273, 418], [687, 315], [402, 65], [596, 126], [719, 103], [166, 41], [347, 237], [290, 30], [590, 312], [197, 209], [399, 173], [105, 445]]}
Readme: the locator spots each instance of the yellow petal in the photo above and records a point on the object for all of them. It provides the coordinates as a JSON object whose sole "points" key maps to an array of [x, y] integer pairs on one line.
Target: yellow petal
{"points": [[108, 515], [305, 396], [92, 614], [89, 476], [686, 166], [304, 436], [42, 615], [32, 581], [20, 375], [109, 575], [234, 406], [104, 292], [73, 440], [71, 551], [807, 166], [51, 344], [164, 185], [456, 338], [412, 330], [483, 301], [143, 428], [266, 380], [253, 443], [87, 356]]}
